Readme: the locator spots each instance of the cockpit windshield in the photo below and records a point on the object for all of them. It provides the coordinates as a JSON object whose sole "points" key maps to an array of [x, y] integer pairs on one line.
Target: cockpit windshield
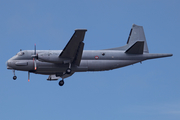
{"points": [[20, 53]]}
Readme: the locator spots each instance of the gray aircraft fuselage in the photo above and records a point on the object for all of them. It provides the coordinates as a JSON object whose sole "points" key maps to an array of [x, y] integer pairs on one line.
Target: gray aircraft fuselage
{"points": [[92, 60]]}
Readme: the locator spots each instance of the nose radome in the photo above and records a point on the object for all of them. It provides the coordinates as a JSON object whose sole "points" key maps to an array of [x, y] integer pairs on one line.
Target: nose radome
{"points": [[8, 63]]}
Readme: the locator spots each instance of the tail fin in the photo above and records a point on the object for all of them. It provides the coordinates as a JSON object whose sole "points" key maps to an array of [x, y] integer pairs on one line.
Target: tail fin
{"points": [[136, 43], [136, 35]]}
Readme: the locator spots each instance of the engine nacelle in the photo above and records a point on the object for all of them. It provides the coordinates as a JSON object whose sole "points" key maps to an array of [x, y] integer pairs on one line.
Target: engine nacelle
{"points": [[52, 58]]}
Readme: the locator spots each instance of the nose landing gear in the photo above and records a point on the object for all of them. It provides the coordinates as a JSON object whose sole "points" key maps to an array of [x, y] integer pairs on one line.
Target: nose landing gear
{"points": [[14, 77]]}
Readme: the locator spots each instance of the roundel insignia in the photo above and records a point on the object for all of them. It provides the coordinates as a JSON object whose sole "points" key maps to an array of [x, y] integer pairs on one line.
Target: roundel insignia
{"points": [[96, 57]]}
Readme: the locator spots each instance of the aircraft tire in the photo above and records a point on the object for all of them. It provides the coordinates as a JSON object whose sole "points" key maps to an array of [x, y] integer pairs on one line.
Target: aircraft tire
{"points": [[14, 77], [61, 82]]}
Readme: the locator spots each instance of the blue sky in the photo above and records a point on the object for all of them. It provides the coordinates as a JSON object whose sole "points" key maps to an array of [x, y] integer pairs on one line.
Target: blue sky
{"points": [[142, 91]]}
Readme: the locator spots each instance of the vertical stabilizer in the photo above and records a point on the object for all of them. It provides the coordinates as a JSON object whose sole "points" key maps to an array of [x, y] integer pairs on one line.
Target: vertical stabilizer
{"points": [[136, 39], [136, 35]]}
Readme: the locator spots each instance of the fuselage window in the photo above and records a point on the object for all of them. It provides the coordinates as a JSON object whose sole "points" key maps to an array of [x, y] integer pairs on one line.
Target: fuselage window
{"points": [[20, 53]]}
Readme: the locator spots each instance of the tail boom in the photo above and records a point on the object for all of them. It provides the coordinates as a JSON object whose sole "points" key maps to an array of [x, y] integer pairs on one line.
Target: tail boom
{"points": [[153, 56]]}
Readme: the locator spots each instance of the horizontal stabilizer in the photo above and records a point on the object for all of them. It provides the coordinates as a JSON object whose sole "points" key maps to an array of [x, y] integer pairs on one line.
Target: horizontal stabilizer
{"points": [[137, 48]]}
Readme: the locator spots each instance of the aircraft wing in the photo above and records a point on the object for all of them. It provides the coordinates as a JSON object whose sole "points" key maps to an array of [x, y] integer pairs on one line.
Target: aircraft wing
{"points": [[74, 48]]}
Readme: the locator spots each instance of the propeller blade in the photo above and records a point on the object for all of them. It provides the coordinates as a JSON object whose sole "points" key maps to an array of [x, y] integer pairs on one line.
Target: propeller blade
{"points": [[35, 56], [28, 76], [34, 62], [34, 49], [35, 65]]}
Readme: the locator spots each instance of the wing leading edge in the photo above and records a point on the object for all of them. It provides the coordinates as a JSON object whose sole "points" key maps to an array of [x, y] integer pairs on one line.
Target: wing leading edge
{"points": [[74, 48]]}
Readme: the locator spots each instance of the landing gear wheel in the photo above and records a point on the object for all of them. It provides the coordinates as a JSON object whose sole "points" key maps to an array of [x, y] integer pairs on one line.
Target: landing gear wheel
{"points": [[61, 83], [14, 77], [68, 71]]}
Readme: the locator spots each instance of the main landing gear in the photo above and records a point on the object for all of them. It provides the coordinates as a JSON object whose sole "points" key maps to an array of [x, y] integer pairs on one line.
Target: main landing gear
{"points": [[61, 82], [68, 71], [14, 77]]}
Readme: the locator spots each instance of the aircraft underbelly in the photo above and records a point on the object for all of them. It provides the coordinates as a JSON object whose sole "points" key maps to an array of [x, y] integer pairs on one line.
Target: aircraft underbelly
{"points": [[51, 68], [100, 65]]}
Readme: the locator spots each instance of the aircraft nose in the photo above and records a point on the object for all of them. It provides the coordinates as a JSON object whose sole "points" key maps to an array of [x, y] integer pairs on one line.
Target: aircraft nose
{"points": [[8, 63]]}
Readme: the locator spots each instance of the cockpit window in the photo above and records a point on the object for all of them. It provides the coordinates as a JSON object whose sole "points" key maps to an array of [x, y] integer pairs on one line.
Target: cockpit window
{"points": [[20, 53]]}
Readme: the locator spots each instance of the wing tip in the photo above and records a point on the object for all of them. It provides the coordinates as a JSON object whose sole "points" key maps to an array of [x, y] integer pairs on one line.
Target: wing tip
{"points": [[81, 30]]}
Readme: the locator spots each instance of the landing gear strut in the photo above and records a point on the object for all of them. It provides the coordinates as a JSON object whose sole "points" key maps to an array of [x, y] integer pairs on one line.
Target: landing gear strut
{"points": [[14, 77], [68, 71], [61, 82]]}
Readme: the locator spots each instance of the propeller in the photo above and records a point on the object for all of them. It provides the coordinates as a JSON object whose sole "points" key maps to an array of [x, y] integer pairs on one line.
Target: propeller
{"points": [[35, 56]]}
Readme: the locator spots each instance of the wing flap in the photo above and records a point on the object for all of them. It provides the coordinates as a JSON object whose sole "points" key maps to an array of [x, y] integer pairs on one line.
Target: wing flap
{"points": [[77, 60]]}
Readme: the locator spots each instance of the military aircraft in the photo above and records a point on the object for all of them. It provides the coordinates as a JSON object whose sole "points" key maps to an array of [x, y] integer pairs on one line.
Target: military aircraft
{"points": [[64, 63]]}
